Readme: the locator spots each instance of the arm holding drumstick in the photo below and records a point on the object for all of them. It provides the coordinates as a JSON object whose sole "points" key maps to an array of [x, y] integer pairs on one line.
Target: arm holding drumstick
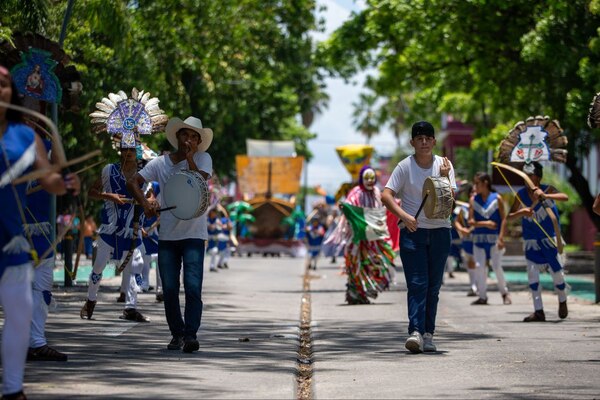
{"points": [[151, 206], [410, 222]]}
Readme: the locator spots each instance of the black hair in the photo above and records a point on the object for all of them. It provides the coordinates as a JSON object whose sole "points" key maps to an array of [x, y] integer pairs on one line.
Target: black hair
{"points": [[538, 169], [485, 177], [13, 115]]}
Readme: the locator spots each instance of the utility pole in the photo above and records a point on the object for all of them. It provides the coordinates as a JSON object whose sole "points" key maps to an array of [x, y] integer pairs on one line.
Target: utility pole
{"points": [[54, 109]]}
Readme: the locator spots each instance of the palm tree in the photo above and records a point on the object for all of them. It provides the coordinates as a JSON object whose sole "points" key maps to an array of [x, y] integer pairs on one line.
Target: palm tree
{"points": [[365, 117]]}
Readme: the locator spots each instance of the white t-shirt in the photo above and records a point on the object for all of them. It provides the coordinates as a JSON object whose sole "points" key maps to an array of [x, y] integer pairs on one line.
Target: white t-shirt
{"points": [[171, 228], [407, 182]]}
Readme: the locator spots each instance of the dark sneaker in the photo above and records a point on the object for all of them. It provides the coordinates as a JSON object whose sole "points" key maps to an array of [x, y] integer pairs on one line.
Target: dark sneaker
{"points": [[190, 345], [131, 314], [45, 353], [88, 309], [471, 293], [160, 297], [506, 299], [563, 311], [121, 298], [479, 301], [176, 343], [537, 316], [14, 396]]}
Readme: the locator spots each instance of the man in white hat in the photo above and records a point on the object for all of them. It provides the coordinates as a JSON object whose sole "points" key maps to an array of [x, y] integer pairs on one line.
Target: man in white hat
{"points": [[180, 241]]}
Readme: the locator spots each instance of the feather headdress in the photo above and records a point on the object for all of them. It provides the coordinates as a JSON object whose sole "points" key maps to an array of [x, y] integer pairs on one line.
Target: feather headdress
{"points": [[125, 119], [536, 139], [593, 119], [56, 79]]}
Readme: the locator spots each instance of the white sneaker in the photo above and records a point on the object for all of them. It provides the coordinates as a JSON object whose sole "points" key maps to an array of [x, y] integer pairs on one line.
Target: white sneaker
{"points": [[428, 345], [414, 343]]}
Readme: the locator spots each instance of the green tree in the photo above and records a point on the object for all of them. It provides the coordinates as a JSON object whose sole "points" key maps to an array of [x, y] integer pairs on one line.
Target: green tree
{"points": [[488, 62], [365, 117], [246, 68]]}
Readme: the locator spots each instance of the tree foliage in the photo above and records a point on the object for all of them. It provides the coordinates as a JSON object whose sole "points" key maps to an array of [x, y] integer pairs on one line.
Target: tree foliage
{"points": [[246, 68], [490, 63]]}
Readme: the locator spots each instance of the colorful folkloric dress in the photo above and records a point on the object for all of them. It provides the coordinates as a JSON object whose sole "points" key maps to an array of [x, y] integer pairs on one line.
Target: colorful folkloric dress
{"points": [[368, 256]]}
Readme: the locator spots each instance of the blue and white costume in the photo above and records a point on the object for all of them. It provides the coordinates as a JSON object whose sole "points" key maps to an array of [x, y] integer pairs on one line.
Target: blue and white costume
{"points": [[540, 252], [466, 246], [38, 227], [314, 237], [17, 155], [223, 242], [115, 237], [454, 256], [485, 243], [213, 229], [151, 246]]}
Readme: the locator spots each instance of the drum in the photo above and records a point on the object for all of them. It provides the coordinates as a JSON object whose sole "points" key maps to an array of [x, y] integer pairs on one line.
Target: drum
{"points": [[439, 202], [186, 191]]}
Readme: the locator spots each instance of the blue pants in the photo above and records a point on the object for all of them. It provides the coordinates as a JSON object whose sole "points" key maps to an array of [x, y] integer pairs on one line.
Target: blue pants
{"points": [[171, 254], [423, 253], [88, 243]]}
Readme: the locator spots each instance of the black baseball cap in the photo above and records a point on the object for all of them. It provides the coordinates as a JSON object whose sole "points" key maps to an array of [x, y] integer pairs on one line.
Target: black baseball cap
{"points": [[422, 128]]}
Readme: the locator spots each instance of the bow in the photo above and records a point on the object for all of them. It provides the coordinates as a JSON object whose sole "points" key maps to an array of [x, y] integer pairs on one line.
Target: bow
{"points": [[558, 243], [61, 163], [80, 240], [137, 212]]}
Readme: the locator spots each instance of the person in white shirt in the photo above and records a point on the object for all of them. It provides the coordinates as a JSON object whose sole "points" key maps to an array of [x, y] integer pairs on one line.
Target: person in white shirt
{"points": [[179, 241], [424, 242]]}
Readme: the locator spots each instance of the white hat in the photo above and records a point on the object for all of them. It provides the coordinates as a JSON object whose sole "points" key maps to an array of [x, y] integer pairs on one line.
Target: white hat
{"points": [[175, 124]]}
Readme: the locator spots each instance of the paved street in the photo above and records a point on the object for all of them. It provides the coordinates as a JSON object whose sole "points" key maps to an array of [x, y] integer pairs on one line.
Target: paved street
{"points": [[249, 340]]}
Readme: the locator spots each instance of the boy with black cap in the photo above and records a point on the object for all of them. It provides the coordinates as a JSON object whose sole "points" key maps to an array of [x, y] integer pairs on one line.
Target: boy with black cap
{"points": [[539, 240], [424, 243]]}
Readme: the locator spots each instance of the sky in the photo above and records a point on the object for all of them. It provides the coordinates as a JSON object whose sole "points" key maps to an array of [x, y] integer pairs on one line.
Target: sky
{"points": [[334, 126]]}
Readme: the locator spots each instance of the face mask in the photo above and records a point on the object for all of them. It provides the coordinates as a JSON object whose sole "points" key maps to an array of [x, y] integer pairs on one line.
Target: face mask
{"points": [[369, 178]]}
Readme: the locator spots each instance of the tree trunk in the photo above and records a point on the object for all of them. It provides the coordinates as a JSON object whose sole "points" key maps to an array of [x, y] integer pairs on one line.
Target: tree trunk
{"points": [[582, 187]]}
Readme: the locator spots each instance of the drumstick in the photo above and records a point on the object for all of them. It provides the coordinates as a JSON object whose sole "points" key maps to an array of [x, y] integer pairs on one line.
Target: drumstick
{"points": [[401, 224], [166, 209]]}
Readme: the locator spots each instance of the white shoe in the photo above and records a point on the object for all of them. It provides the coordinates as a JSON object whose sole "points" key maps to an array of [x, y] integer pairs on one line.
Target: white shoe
{"points": [[428, 345], [414, 343]]}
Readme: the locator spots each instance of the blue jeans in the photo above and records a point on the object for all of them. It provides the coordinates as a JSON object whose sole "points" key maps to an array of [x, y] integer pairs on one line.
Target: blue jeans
{"points": [[88, 245], [171, 254], [424, 253]]}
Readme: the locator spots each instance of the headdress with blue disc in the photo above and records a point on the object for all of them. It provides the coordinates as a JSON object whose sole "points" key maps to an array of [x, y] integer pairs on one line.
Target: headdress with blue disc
{"points": [[127, 118]]}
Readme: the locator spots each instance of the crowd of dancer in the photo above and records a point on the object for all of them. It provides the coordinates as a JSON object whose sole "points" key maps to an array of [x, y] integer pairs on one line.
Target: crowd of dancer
{"points": [[361, 228]]}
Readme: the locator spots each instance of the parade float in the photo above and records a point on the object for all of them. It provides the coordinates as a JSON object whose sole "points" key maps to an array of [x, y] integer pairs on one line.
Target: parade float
{"points": [[353, 157], [268, 178]]}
